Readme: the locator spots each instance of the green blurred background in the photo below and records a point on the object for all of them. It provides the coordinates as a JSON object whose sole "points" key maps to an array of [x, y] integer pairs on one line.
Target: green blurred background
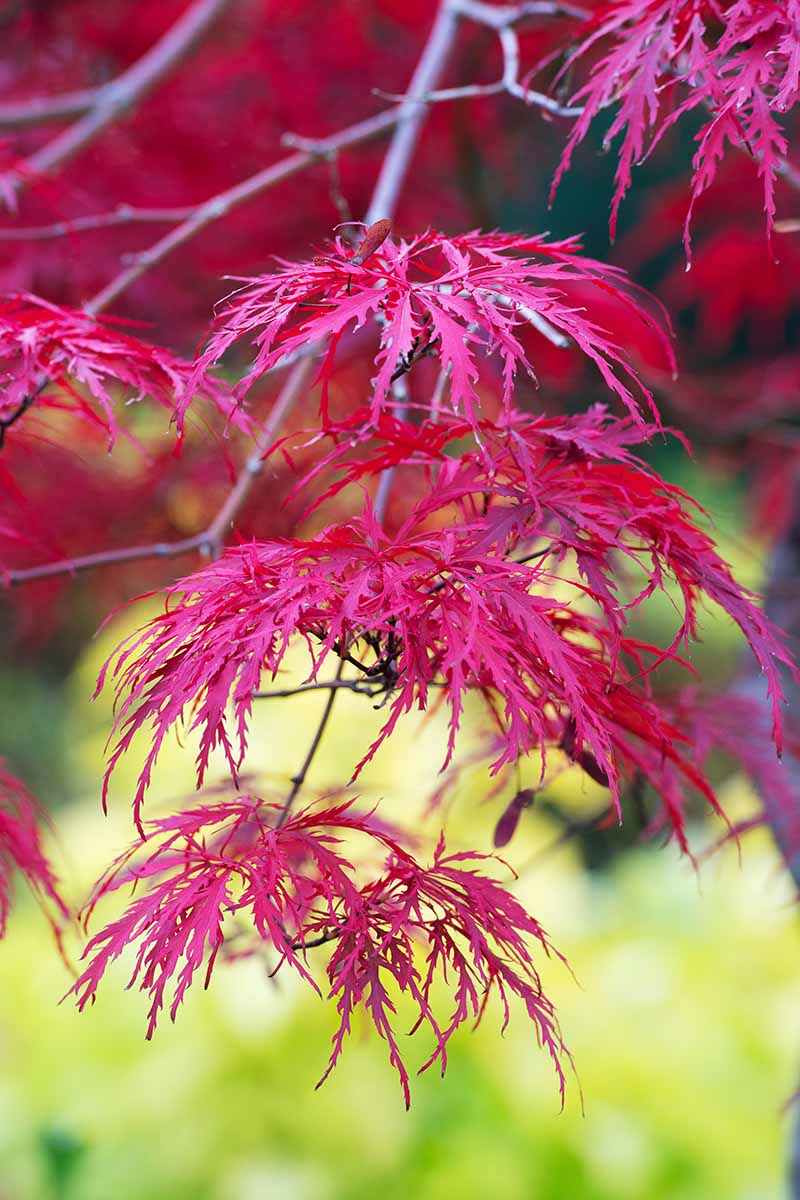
{"points": [[682, 1017]]}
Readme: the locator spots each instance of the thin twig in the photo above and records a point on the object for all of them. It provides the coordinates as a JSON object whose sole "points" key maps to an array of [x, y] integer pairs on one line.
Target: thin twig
{"points": [[502, 22], [504, 16], [299, 779], [123, 214], [41, 110], [119, 96], [210, 540], [360, 686], [104, 558], [225, 202]]}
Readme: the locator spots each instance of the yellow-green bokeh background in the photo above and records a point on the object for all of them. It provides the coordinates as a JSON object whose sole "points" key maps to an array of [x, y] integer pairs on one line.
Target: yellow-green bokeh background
{"points": [[683, 1022]]}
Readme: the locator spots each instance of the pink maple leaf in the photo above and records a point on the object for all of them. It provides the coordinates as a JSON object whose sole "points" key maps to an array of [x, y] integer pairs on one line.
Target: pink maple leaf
{"points": [[462, 299], [294, 888], [62, 359], [657, 60]]}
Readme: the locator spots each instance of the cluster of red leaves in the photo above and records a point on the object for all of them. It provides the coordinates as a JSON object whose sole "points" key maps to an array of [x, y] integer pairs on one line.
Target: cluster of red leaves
{"points": [[488, 602], [657, 60], [432, 295], [61, 359], [233, 865], [21, 850]]}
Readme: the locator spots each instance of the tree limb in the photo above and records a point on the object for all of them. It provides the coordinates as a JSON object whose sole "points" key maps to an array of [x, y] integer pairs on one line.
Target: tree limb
{"points": [[115, 98]]}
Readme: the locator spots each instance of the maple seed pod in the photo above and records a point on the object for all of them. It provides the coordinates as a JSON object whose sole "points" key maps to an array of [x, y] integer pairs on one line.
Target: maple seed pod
{"points": [[375, 236], [507, 825]]}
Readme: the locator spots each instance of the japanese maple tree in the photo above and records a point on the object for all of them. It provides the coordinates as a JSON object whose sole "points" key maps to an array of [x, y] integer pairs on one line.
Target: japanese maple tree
{"points": [[419, 453]]}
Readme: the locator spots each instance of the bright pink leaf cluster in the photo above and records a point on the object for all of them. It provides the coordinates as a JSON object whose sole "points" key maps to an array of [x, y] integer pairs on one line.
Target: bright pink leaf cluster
{"points": [[738, 62], [488, 603], [460, 299], [294, 884], [63, 359]]}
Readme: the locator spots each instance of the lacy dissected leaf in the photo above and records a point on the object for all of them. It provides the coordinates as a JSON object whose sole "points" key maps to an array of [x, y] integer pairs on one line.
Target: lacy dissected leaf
{"points": [[571, 490], [57, 358], [657, 60], [21, 850], [524, 601], [462, 299], [418, 617], [231, 867]]}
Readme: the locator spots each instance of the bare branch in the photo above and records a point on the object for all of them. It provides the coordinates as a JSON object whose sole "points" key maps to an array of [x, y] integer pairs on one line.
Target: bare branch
{"points": [[361, 687], [210, 540], [220, 205], [120, 95], [123, 214], [288, 396], [412, 113], [503, 17], [41, 110], [501, 21], [104, 558]]}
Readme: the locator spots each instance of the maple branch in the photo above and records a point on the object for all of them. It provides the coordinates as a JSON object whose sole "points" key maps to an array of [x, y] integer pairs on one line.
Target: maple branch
{"points": [[103, 558], [299, 779], [19, 114], [318, 941], [210, 540], [119, 96], [383, 202], [362, 687], [20, 410], [215, 534], [504, 16], [123, 214], [412, 113], [502, 21], [223, 203], [508, 83]]}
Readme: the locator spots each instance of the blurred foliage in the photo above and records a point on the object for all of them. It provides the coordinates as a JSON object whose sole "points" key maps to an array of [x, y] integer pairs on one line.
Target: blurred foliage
{"points": [[683, 1031], [682, 1021]]}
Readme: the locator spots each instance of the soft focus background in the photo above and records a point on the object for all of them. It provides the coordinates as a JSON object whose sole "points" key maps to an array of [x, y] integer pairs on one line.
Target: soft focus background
{"points": [[681, 1016]]}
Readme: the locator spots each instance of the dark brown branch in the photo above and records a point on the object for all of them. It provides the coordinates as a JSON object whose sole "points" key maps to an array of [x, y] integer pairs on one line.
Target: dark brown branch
{"points": [[362, 687], [299, 779], [20, 410], [311, 943]]}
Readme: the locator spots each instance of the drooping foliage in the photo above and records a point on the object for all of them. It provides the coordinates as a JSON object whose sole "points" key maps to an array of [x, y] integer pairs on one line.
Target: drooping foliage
{"points": [[207, 869], [735, 64], [423, 460]]}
